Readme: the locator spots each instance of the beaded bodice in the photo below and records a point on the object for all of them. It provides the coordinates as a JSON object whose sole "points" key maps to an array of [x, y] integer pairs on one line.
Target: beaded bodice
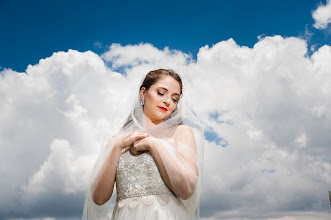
{"points": [[138, 176]]}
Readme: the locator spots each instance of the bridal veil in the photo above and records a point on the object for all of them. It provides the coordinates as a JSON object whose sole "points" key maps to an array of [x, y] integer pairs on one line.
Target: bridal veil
{"points": [[177, 157]]}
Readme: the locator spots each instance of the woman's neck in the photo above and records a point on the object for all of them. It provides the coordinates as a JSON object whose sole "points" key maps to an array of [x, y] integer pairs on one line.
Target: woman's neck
{"points": [[149, 123]]}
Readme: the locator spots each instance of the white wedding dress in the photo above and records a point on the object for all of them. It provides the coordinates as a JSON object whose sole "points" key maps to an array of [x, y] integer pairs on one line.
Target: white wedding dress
{"points": [[141, 192]]}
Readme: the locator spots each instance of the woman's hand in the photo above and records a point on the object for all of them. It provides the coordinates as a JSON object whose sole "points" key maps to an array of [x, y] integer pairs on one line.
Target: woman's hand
{"points": [[128, 140], [140, 146]]}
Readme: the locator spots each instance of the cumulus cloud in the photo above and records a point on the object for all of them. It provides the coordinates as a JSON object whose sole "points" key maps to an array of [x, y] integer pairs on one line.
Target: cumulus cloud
{"points": [[322, 15], [265, 110]]}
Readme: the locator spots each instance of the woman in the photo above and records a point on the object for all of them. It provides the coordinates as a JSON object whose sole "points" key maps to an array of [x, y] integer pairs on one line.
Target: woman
{"points": [[155, 159]]}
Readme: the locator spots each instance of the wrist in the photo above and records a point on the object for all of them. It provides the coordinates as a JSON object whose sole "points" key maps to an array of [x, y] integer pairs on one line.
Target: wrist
{"points": [[116, 150], [150, 146], [118, 146]]}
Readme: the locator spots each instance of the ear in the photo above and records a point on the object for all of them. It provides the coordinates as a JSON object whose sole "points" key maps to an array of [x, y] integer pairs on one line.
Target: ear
{"points": [[142, 93]]}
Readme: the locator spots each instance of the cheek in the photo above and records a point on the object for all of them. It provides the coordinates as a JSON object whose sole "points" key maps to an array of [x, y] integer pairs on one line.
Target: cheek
{"points": [[153, 99]]}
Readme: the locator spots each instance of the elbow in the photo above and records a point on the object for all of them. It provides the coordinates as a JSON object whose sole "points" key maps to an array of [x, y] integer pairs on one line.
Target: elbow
{"points": [[101, 196], [186, 195], [188, 191], [99, 201]]}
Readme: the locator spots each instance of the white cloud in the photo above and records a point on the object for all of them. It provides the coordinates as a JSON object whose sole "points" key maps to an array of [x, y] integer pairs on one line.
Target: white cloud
{"points": [[144, 54], [270, 104], [322, 15]]}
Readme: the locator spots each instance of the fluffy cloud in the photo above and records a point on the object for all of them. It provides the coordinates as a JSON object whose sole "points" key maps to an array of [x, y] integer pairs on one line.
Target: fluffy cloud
{"points": [[265, 110], [322, 15]]}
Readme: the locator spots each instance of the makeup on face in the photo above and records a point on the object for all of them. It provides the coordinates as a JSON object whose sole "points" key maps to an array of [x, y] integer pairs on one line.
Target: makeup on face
{"points": [[160, 92], [164, 109]]}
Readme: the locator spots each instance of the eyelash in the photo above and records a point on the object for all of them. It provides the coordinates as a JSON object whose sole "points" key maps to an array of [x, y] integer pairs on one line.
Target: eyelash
{"points": [[163, 94]]}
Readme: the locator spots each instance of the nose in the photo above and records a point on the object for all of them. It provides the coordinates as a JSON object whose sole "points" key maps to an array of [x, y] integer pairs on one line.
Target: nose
{"points": [[167, 101]]}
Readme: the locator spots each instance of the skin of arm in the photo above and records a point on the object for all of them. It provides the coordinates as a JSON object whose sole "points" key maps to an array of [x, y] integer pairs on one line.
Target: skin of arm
{"points": [[185, 135], [105, 187]]}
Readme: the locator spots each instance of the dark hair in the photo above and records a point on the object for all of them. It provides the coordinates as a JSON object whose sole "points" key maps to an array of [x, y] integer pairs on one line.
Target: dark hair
{"points": [[153, 76]]}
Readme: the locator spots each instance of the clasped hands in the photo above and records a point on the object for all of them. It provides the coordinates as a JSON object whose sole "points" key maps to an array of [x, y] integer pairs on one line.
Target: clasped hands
{"points": [[137, 142]]}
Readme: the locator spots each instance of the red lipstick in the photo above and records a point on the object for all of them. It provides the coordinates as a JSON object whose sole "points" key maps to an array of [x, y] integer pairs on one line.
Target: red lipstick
{"points": [[164, 109]]}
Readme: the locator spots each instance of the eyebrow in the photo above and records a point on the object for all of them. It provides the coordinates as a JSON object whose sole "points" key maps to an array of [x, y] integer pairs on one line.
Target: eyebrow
{"points": [[168, 90]]}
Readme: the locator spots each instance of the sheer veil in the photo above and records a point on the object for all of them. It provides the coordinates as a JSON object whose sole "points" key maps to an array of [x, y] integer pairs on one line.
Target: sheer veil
{"points": [[177, 156]]}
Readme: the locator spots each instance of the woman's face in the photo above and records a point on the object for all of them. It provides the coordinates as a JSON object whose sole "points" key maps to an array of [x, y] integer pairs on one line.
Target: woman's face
{"points": [[161, 98]]}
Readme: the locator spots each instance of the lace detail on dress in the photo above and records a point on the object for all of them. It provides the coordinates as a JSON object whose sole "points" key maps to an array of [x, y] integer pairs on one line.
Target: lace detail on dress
{"points": [[133, 202], [138, 179]]}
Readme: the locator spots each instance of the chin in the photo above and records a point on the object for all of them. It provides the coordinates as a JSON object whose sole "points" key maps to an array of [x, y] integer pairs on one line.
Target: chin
{"points": [[161, 117], [164, 117]]}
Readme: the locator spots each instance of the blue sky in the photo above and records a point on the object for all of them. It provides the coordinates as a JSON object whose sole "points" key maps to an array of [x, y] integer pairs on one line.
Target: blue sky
{"points": [[32, 30], [256, 73]]}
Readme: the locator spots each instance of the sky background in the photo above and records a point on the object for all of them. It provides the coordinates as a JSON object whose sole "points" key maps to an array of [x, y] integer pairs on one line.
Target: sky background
{"points": [[32, 30], [257, 74]]}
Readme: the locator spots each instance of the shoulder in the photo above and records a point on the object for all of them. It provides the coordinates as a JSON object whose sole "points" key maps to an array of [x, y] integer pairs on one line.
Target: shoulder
{"points": [[184, 127], [185, 137], [183, 130]]}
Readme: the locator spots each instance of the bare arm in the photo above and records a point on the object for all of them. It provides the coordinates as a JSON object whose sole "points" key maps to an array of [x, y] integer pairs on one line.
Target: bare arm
{"points": [[160, 165], [184, 168], [104, 189]]}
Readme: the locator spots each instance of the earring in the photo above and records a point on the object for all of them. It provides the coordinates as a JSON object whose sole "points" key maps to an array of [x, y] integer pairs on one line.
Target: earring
{"points": [[142, 102]]}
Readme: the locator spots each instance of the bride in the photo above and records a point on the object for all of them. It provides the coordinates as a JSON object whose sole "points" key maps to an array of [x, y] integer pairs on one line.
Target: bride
{"points": [[155, 159]]}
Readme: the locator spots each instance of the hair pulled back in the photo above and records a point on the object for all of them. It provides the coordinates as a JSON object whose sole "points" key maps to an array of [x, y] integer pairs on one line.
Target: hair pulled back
{"points": [[155, 75]]}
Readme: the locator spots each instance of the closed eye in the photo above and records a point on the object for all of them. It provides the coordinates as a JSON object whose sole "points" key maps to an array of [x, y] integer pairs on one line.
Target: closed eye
{"points": [[161, 94]]}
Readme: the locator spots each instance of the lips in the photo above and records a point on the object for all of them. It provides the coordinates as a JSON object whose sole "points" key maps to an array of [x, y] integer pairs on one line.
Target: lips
{"points": [[164, 109]]}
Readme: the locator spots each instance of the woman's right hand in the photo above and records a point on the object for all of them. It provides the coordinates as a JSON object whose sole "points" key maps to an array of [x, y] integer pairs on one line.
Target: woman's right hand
{"points": [[127, 140]]}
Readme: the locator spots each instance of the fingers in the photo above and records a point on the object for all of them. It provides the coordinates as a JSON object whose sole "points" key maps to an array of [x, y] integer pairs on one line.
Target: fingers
{"points": [[137, 147], [125, 150], [139, 135], [134, 152]]}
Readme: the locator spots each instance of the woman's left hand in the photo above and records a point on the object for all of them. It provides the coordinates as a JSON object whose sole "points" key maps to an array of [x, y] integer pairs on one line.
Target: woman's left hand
{"points": [[140, 146]]}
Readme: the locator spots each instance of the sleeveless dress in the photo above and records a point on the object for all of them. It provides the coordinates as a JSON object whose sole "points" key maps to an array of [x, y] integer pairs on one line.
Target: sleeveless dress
{"points": [[142, 193]]}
